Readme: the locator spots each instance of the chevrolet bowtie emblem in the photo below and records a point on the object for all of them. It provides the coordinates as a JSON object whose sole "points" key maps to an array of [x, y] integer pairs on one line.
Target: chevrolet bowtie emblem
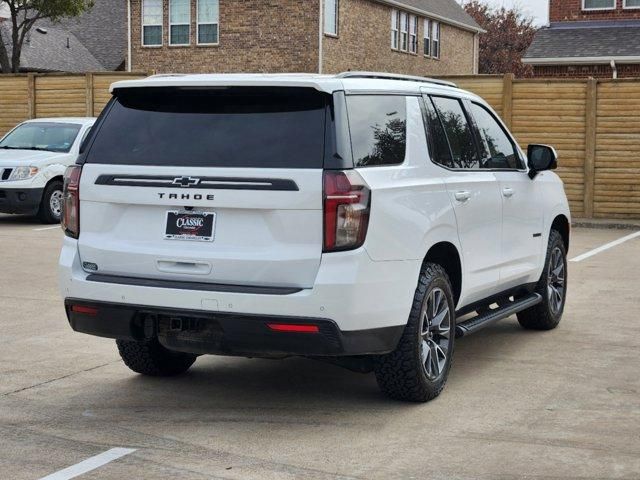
{"points": [[186, 182]]}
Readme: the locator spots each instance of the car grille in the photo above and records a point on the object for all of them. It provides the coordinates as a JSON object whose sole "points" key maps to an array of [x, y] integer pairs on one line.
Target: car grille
{"points": [[5, 173]]}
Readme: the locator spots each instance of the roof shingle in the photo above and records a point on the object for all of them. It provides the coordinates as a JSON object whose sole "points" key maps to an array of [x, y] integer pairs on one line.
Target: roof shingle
{"points": [[448, 9], [57, 50], [586, 40]]}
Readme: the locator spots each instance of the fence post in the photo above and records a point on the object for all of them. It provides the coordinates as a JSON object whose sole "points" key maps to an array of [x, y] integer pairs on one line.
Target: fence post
{"points": [[507, 99], [31, 95], [89, 94], [590, 146]]}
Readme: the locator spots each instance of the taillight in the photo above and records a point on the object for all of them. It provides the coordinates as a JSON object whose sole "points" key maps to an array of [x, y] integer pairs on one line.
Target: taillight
{"points": [[346, 210], [70, 219]]}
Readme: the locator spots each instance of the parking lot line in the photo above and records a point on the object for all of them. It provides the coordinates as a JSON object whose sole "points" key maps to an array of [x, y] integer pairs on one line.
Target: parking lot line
{"points": [[45, 228], [605, 247], [89, 464]]}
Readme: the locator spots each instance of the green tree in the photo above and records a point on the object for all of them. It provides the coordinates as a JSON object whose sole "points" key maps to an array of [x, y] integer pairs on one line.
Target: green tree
{"points": [[24, 14]]}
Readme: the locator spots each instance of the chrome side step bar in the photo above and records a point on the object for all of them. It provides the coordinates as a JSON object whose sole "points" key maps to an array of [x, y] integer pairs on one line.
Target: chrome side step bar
{"points": [[481, 321]]}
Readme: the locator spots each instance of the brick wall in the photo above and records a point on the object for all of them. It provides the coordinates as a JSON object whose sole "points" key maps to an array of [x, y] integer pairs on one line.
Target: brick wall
{"points": [[255, 36], [282, 36], [571, 10], [585, 71], [364, 43]]}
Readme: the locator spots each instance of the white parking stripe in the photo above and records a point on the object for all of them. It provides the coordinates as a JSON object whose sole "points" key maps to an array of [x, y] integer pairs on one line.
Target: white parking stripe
{"points": [[607, 246], [89, 464], [45, 228]]}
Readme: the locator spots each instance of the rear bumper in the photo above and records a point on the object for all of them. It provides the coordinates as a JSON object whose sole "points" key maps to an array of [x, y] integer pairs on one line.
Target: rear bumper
{"points": [[20, 200], [352, 295], [221, 333]]}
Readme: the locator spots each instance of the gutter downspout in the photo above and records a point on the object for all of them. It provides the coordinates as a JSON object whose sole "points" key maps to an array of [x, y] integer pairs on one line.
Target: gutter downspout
{"points": [[320, 37], [476, 54], [128, 35], [615, 69]]}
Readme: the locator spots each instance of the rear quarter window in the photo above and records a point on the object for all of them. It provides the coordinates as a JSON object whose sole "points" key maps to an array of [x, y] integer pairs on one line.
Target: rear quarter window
{"points": [[378, 125], [234, 127]]}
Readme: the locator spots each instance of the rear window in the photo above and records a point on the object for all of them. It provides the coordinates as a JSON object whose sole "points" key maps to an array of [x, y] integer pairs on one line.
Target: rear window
{"points": [[378, 125], [237, 127]]}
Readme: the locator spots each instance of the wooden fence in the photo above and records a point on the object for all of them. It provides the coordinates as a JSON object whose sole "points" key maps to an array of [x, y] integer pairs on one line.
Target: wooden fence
{"points": [[24, 96], [594, 124]]}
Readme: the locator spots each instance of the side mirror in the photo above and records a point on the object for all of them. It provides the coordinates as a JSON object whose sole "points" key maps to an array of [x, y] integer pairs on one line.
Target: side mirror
{"points": [[541, 158]]}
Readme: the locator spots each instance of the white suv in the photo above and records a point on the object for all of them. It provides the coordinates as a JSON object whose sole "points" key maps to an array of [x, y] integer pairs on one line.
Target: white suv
{"points": [[363, 219]]}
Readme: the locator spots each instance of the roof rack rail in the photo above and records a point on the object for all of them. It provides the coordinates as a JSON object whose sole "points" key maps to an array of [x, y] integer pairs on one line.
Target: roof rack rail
{"points": [[394, 76]]}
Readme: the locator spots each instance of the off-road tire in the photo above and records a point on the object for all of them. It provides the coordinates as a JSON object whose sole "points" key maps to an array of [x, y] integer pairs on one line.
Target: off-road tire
{"points": [[400, 374], [152, 359], [542, 316], [45, 213]]}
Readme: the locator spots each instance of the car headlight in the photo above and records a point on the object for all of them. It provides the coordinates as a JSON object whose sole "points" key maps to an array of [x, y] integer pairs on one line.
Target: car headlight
{"points": [[23, 173]]}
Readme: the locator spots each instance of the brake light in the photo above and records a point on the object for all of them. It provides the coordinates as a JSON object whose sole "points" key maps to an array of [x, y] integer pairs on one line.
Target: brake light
{"points": [[70, 219], [291, 328], [347, 200]]}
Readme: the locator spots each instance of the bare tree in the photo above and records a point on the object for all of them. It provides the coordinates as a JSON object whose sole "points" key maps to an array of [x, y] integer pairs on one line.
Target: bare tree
{"points": [[24, 14], [509, 35]]}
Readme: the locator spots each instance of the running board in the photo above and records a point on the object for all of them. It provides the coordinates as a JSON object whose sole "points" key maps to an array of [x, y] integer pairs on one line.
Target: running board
{"points": [[478, 323]]}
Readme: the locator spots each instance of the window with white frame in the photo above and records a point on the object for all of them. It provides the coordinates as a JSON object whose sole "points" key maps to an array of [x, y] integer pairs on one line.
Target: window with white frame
{"points": [[331, 17], [435, 34], [631, 3], [152, 23], [404, 31], [413, 34], [598, 4], [179, 22], [208, 22], [427, 37], [395, 32]]}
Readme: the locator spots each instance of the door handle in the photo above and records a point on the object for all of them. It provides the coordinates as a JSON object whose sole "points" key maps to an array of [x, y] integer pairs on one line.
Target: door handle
{"points": [[462, 196], [508, 192]]}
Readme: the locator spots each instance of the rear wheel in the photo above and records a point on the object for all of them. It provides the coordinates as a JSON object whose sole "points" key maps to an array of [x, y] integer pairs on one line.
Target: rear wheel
{"points": [[151, 358], [552, 286], [417, 370], [50, 209]]}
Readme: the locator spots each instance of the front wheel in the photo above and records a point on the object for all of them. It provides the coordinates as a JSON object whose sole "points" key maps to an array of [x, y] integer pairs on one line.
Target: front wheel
{"points": [[418, 368], [50, 209], [552, 286]]}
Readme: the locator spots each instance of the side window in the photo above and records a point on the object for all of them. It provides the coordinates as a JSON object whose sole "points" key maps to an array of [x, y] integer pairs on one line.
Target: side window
{"points": [[500, 152], [85, 135], [458, 132], [438, 143], [378, 126]]}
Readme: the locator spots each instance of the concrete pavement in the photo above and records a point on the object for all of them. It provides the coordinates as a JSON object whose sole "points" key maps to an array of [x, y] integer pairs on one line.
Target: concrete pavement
{"points": [[563, 404]]}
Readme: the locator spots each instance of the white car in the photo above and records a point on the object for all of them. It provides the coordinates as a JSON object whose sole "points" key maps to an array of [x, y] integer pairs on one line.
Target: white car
{"points": [[33, 158], [364, 219]]}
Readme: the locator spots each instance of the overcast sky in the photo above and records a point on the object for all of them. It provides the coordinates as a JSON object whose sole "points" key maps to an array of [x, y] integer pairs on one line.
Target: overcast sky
{"points": [[538, 9]]}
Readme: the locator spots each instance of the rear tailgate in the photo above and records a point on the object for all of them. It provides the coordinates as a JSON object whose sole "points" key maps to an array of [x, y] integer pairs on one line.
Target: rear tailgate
{"points": [[251, 161]]}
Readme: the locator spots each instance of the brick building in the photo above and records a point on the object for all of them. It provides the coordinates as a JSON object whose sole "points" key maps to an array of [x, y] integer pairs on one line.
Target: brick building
{"points": [[588, 38], [420, 37]]}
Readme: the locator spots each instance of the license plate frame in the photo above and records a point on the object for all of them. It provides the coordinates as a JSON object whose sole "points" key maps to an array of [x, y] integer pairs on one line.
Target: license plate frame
{"points": [[196, 226]]}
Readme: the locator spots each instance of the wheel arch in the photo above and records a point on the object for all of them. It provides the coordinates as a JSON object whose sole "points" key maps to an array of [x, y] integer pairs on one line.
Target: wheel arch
{"points": [[447, 256], [562, 225], [59, 178]]}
